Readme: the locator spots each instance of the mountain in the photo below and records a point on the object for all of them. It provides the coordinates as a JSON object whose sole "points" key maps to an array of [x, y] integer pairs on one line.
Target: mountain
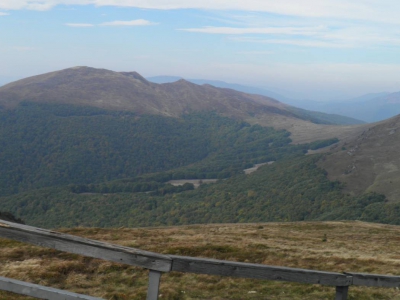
{"points": [[367, 97], [308, 112], [222, 84], [44, 145], [129, 91], [76, 142], [84, 126], [370, 161], [372, 110], [369, 108]]}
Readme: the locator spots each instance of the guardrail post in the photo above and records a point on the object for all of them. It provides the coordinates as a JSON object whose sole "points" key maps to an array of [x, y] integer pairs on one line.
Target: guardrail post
{"points": [[342, 292], [154, 284]]}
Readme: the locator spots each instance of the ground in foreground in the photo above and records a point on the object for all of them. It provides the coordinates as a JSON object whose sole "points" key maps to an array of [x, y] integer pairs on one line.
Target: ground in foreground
{"points": [[328, 246]]}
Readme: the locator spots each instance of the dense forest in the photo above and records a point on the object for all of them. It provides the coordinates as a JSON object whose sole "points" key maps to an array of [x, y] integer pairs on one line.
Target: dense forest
{"points": [[67, 166], [6, 216], [289, 190], [54, 145]]}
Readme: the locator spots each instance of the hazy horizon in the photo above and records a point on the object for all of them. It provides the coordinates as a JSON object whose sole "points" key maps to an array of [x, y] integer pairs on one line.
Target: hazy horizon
{"points": [[303, 49]]}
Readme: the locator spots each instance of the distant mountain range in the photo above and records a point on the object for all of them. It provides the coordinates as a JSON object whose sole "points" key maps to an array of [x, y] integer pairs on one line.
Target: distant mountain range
{"points": [[368, 108]]}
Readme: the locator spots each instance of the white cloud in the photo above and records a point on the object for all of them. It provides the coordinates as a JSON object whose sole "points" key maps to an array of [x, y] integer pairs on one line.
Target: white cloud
{"points": [[3, 14], [310, 43], [79, 25], [314, 43], [347, 36], [267, 30], [373, 10], [139, 22]]}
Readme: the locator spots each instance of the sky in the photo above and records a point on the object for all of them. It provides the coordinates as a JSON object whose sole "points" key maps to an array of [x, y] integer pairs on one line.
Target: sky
{"points": [[304, 49]]}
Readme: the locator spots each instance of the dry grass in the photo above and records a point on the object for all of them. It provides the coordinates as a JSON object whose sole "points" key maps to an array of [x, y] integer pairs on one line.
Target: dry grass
{"points": [[369, 162], [305, 132], [349, 246]]}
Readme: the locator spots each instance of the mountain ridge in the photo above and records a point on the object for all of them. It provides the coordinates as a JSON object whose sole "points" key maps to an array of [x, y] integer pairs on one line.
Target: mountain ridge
{"points": [[369, 108], [126, 91], [129, 91]]}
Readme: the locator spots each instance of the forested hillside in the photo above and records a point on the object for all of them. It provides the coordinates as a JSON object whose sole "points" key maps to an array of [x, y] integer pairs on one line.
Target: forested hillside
{"points": [[293, 189], [67, 165], [48, 145]]}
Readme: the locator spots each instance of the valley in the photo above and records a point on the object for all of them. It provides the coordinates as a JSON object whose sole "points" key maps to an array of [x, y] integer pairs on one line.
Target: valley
{"points": [[250, 132], [197, 182], [86, 140]]}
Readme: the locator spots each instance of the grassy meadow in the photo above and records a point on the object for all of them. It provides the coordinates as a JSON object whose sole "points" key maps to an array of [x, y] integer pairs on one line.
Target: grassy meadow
{"points": [[326, 246]]}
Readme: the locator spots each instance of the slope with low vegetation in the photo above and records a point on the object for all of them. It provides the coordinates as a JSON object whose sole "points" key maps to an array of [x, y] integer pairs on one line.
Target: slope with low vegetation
{"points": [[327, 246], [369, 162]]}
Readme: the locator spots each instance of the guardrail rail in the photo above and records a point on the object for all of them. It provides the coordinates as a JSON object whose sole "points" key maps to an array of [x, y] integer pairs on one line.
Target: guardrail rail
{"points": [[157, 264]]}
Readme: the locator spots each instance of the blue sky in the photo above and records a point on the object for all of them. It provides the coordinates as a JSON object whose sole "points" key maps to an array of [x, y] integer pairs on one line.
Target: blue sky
{"points": [[306, 49]]}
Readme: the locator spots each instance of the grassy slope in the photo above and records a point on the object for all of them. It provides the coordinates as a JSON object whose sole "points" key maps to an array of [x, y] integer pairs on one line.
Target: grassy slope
{"points": [[306, 132], [323, 118], [350, 246], [369, 162]]}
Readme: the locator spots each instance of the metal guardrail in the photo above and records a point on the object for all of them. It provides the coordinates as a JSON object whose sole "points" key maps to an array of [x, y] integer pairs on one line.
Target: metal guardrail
{"points": [[158, 264]]}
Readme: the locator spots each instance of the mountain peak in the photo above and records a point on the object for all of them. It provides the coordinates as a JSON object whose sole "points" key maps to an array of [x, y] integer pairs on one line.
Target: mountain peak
{"points": [[107, 89], [78, 67], [183, 82], [82, 69]]}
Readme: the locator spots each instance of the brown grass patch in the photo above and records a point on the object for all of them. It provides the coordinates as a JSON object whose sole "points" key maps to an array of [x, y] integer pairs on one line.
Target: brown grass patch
{"points": [[348, 246]]}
